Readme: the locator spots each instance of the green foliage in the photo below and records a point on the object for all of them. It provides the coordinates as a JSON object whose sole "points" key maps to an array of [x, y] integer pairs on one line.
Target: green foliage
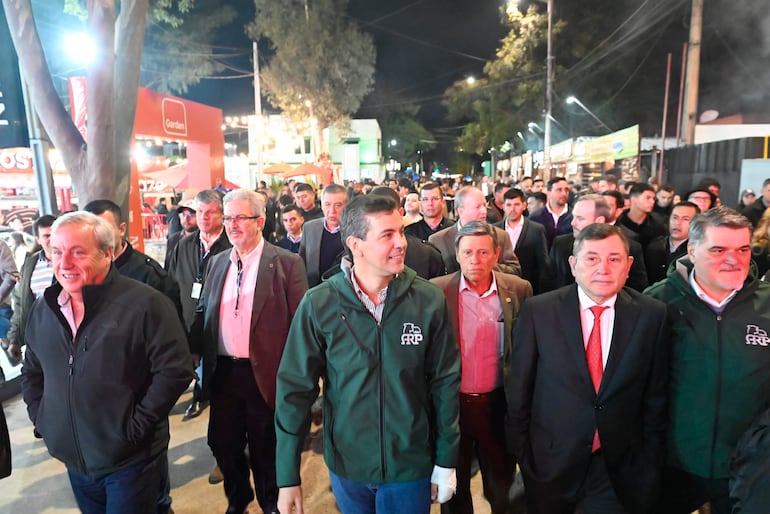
{"points": [[318, 56], [510, 94], [400, 123], [178, 51]]}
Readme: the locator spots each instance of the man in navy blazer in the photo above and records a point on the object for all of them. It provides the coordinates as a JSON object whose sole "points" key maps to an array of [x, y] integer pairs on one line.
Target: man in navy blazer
{"points": [[527, 237], [240, 328], [555, 216], [587, 437], [321, 247]]}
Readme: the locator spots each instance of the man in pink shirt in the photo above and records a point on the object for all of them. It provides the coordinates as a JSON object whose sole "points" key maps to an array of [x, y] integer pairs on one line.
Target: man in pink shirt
{"points": [[483, 304], [240, 330]]}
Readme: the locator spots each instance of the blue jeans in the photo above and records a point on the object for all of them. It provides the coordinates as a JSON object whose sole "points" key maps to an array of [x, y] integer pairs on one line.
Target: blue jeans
{"points": [[392, 498], [131, 490], [5, 319]]}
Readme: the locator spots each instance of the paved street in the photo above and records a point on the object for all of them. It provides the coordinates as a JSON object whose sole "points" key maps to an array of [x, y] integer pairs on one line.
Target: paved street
{"points": [[39, 483]]}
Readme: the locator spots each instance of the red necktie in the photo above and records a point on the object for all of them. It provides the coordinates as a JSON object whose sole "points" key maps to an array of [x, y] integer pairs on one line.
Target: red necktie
{"points": [[594, 358]]}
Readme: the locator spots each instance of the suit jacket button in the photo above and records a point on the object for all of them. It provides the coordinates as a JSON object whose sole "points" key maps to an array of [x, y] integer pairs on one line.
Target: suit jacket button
{"points": [[599, 406]]}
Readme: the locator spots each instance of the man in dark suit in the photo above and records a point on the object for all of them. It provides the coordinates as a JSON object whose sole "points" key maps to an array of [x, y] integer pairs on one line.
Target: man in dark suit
{"points": [[527, 238], [483, 305], [321, 247], [587, 210], [555, 216], [587, 386], [432, 208], [240, 329], [471, 205], [664, 250]]}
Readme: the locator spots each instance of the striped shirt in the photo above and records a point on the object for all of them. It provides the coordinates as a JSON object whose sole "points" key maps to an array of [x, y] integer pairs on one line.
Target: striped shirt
{"points": [[42, 275]]}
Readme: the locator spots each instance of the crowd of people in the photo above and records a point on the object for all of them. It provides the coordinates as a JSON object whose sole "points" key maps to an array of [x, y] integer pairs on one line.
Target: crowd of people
{"points": [[609, 341]]}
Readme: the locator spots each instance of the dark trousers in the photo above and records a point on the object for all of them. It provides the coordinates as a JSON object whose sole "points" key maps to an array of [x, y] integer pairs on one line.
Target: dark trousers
{"points": [[596, 496], [684, 492], [131, 490], [482, 433], [239, 416]]}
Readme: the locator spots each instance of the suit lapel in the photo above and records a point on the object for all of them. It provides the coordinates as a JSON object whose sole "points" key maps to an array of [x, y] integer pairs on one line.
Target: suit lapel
{"points": [[506, 296], [572, 327], [217, 275], [452, 294], [265, 276], [625, 321], [523, 235]]}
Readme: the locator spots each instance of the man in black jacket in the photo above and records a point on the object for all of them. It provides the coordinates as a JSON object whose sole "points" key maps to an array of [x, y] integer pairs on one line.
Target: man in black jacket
{"points": [[104, 412]]}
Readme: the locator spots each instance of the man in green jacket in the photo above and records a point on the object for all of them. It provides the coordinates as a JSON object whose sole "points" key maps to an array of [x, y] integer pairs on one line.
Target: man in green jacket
{"points": [[720, 359], [382, 339]]}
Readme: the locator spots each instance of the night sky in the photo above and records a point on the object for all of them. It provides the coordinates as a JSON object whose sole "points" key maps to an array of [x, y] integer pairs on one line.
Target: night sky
{"points": [[423, 46]]}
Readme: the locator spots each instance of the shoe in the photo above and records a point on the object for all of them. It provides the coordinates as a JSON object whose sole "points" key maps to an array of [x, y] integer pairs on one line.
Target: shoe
{"points": [[36, 434], [194, 410], [216, 475]]}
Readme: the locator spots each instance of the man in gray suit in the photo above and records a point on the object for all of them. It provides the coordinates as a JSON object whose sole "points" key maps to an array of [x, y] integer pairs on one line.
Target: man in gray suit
{"points": [[321, 246], [471, 205]]}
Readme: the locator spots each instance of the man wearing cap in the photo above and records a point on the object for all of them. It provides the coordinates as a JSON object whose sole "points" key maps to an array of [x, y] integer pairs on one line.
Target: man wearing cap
{"points": [[186, 214], [757, 208]]}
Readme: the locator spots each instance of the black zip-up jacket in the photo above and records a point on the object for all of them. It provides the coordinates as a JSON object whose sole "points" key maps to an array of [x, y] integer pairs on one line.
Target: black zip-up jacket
{"points": [[101, 401]]}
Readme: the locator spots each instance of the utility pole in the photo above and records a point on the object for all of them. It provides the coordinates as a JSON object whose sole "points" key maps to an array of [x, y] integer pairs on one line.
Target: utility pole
{"points": [[693, 71], [548, 91]]}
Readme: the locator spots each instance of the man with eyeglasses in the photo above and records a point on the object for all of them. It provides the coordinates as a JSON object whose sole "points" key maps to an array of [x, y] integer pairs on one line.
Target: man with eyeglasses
{"points": [[240, 329], [432, 205]]}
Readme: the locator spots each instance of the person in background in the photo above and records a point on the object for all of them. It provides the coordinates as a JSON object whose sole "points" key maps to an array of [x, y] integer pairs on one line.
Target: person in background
{"points": [[664, 250], [9, 275], [535, 201], [703, 198], [106, 360], [747, 198], [188, 267], [471, 206], [433, 207], [527, 238], [321, 246], [664, 202], [19, 248], [757, 208], [305, 198], [412, 208], [291, 217], [189, 223], [555, 216], [760, 245], [36, 276], [495, 209]]}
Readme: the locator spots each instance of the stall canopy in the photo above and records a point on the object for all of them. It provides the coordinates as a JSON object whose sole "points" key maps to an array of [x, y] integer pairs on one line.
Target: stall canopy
{"points": [[310, 169]]}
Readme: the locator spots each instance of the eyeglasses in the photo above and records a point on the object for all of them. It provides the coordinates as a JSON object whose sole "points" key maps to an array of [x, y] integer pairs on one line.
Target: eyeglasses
{"points": [[239, 219]]}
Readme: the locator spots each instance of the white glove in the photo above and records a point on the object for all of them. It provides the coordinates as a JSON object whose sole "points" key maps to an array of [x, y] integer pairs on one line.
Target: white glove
{"points": [[446, 480]]}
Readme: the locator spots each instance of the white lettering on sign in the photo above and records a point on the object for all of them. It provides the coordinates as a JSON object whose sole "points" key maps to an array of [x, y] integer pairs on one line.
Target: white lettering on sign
{"points": [[16, 159], [3, 121], [174, 117]]}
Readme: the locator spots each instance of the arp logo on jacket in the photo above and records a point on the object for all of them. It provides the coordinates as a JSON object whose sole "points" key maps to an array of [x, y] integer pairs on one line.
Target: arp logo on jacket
{"points": [[756, 336], [411, 335]]}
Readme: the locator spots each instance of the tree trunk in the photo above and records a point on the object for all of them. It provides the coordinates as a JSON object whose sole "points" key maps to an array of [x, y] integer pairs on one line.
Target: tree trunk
{"points": [[101, 173], [129, 43], [103, 169], [36, 74]]}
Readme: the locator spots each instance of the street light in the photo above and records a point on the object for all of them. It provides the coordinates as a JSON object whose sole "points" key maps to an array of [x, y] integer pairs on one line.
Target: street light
{"points": [[574, 100]]}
